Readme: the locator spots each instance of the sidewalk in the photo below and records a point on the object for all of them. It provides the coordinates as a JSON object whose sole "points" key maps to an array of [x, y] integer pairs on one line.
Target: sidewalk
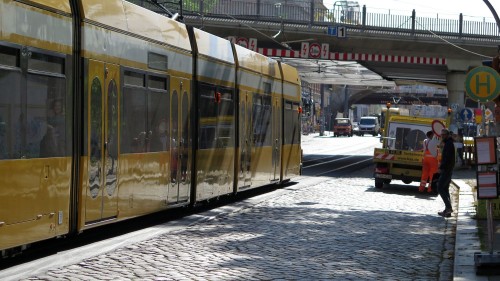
{"points": [[467, 239]]}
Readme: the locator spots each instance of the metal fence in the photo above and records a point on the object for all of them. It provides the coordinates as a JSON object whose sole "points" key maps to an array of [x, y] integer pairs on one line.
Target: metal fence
{"points": [[309, 12]]}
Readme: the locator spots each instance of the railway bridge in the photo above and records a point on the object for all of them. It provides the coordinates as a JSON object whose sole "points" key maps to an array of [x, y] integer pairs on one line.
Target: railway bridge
{"points": [[352, 46]]}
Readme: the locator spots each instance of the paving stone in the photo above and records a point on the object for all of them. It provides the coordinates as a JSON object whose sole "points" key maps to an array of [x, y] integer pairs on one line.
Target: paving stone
{"points": [[340, 229]]}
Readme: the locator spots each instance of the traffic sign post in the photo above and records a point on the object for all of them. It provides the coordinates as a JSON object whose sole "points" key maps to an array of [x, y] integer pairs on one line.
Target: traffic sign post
{"points": [[483, 85]]}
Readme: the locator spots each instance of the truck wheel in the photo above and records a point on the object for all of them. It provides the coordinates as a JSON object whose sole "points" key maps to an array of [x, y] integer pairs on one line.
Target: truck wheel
{"points": [[407, 181], [379, 183]]}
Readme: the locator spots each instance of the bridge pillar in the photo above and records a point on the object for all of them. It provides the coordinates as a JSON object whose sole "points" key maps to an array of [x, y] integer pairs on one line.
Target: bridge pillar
{"points": [[456, 95], [455, 81], [456, 88]]}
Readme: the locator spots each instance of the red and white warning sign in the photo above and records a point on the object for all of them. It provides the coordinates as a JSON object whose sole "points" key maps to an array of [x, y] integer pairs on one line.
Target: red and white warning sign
{"points": [[249, 43], [314, 51], [242, 41]]}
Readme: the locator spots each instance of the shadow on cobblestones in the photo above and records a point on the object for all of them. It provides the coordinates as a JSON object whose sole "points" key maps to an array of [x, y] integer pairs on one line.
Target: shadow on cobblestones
{"points": [[313, 244]]}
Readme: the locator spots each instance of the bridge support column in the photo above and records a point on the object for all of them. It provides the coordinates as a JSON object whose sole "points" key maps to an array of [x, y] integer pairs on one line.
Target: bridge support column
{"points": [[456, 89], [456, 95]]}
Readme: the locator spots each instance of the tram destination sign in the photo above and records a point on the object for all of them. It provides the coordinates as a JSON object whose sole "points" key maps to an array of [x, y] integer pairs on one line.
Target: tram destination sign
{"points": [[482, 84]]}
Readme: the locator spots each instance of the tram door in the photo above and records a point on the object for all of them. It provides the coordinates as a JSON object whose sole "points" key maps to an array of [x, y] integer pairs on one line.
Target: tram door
{"points": [[180, 164], [246, 133], [276, 138], [102, 141]]}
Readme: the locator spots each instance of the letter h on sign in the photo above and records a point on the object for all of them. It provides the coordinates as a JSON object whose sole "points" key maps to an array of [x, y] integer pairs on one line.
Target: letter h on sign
{"points": [[483, 84]]}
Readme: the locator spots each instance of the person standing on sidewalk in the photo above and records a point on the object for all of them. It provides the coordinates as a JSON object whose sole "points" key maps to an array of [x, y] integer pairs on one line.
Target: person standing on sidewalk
{"points": [[429, 161], [446, 170]]}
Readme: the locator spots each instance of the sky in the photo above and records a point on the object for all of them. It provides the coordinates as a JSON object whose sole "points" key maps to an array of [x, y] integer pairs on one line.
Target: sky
{"points": [[471, 9]]}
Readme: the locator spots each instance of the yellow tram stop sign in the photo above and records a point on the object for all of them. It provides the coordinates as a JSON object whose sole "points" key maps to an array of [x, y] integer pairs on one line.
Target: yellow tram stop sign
{"points": [[482, 84]]}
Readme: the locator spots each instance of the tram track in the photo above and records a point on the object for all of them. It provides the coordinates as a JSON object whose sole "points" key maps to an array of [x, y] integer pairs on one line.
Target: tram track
{"points": [[351, 155]]}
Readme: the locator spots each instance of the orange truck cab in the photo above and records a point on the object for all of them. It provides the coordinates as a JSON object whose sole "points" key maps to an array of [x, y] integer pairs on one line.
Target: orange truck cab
{"points": [[342, 127]]}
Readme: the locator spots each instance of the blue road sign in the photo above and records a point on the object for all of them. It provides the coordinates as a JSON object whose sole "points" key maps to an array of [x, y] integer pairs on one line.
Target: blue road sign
{"points": [[466, 114], [338, 31], [332, 30]]}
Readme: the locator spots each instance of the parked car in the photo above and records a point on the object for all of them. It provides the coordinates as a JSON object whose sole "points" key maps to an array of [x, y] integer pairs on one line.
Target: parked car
{"points": [[369, 125], [342, 127]]}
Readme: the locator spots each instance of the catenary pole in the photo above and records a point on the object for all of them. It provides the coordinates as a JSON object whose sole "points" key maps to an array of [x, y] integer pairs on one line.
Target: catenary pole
{"points": [[495, 15]]}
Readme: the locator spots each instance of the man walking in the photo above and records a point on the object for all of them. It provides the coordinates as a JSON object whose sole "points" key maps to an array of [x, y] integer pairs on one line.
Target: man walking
{"points": [[446, 170]]}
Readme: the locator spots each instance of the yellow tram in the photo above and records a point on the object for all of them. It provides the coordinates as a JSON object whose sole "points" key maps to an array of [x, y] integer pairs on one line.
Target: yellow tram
{"points": [[109, 111]]}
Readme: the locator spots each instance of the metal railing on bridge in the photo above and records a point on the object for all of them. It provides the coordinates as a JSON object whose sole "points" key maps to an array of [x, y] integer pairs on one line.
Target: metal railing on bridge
{"points": [[308, 12]]}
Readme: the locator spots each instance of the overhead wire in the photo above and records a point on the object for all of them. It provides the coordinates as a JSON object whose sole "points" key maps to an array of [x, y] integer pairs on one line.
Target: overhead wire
{"points": [[263, 34]]}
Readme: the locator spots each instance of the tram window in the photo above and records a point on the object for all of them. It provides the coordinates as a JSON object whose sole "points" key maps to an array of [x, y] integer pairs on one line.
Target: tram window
{"points": [[226, 104], [295, 124], [267, 88], [158, 121], [10, 115], [262, 120], [208, 107], [291, 123], [46, 63], [207, 137], [288, 123], [47, 127], [9, 56], [133, 120], [208, 113], [155, 82], [134, 79], [225, 132], [157, 61]]}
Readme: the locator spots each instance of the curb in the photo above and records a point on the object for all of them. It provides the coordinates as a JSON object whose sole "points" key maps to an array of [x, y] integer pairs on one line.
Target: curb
{"points": [[466, 236]]}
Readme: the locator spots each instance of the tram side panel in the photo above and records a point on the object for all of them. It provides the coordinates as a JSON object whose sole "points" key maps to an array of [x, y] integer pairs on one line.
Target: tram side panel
{"points": [[245, 127], [216, 124], [259, 84], [166, 158], [292, 156], [138, 71], [35, 122]]}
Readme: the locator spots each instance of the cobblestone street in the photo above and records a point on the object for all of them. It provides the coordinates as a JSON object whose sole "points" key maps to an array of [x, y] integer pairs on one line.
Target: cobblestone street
{"points": [[339, 229]]}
